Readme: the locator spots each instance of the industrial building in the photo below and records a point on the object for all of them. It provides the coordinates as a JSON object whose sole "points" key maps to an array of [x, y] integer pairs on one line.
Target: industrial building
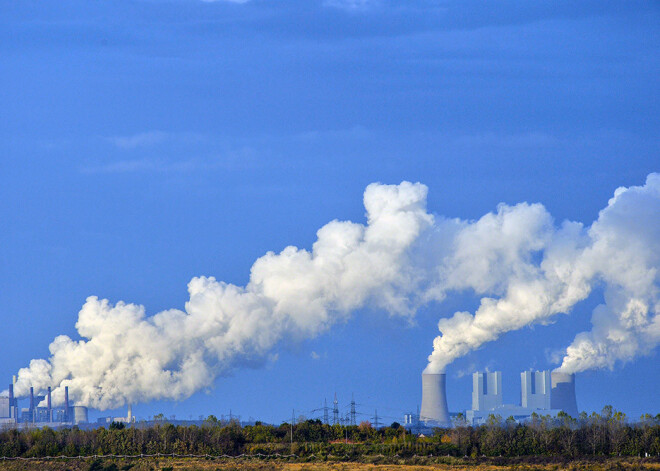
{"points": [[541, 392], [486, 390], [39, 416], [535, 392]]}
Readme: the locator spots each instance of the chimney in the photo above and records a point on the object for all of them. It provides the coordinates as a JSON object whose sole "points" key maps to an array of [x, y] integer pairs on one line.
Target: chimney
{"points": [[32, 414], [66, 403], [11, 401], [50, 408], [130, 413], [434, 400]]}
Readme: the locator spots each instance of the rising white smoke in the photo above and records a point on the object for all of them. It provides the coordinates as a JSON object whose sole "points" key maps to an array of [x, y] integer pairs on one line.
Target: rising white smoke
{"points": [[625, 254], [532, 271], [526, 268], [125, 356]]}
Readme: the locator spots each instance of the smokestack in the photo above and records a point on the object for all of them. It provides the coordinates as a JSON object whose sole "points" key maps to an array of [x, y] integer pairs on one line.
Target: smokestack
{"points": [[32, 414], [11, 402], [434, 400], [50, 409], [562, 395], [66, 403], [129, 416]]}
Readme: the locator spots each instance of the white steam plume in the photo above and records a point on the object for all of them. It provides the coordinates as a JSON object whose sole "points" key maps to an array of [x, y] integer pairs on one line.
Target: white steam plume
{"points": [[532, 271], [625, 253], [525, 268], [127, 357]]}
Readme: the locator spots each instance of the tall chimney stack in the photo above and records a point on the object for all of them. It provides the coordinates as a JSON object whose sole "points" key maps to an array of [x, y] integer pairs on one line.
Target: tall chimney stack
{"points": [[66, 403], [50, 408], [130, 413], [12, 413], [32, 414], [434, 400]]}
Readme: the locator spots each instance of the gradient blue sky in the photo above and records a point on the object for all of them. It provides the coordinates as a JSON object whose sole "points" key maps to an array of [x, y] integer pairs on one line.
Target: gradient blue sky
{"points": [[145, 142]]}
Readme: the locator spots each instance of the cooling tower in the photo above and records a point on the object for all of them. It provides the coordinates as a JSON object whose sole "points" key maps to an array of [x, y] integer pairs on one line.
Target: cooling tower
{"points": [[563, 393], [80, 415], [434, 400]]}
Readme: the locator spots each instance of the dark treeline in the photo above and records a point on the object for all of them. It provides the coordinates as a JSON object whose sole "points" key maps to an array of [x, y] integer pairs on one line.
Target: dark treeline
{"points": [[605, 434]]}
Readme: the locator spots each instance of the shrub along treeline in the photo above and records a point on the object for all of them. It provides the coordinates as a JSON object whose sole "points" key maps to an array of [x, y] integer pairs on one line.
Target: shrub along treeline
{"points": [[605, 434]]}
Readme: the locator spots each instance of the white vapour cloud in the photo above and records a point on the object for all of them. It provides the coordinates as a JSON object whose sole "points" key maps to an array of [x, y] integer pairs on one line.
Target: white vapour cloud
{"points": [[126, 356], [625, 255], [526, 268], [530, 271]]}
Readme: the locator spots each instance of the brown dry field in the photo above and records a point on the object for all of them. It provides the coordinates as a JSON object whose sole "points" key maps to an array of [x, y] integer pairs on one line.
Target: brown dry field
{"points": [[203, 465]]}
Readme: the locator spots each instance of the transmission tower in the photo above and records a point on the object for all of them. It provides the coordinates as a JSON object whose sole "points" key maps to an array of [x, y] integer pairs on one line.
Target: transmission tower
{"points": [[325, 411], [335, 412], [353, 410], [376, 423]]}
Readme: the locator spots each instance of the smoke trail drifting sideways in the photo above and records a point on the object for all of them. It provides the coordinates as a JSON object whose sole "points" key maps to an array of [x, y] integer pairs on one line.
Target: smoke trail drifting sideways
{"points": [[526, 268], [126, 356], [625, 252], [537, 271]]}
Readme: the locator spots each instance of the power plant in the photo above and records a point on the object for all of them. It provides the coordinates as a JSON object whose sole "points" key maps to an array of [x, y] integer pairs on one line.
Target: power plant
{"points": [[541, 392], [37, 415]]}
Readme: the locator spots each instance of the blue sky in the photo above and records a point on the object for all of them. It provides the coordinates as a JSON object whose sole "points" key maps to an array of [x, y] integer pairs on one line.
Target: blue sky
{"points": [[146, 142]]}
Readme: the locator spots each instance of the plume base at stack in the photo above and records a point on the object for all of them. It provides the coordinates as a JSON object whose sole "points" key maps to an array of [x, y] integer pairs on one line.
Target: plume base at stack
{"points": [[434, 400]]}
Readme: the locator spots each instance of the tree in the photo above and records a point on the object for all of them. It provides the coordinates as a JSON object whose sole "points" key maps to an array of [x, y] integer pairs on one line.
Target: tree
{"points": [[159, 418], [594, 432], [618, 431], [566, 433], [460, 434]]}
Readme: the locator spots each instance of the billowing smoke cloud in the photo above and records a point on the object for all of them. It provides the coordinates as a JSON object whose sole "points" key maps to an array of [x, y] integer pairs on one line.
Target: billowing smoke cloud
{"points": [[625, 254], [532, 271], [126, 356], [526, 268]]}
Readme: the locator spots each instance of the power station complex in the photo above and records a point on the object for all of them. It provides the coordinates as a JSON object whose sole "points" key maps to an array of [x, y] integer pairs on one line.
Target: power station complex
{"points": [[541, 392], [38, 415]]}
